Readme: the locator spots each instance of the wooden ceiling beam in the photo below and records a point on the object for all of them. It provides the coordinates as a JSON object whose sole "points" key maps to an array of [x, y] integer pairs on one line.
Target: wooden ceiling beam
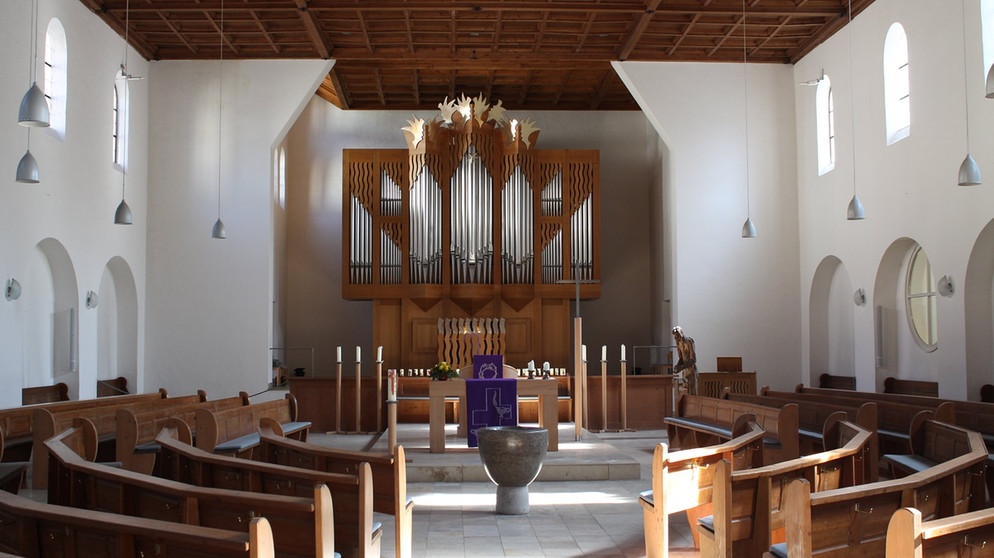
{"points": [[313, 29], [265, 32], [640, 26], [117, 24], [344, 96]]}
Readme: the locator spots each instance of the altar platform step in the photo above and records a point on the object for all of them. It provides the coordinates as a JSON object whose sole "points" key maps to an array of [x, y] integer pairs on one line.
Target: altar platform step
{"points": [[589, 459]]}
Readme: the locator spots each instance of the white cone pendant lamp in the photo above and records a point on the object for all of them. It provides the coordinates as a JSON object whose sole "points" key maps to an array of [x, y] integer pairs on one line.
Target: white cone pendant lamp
{"points": [[27, 169], [34, 108], [969, 171], [748, 228], [218, 231], [123, 214], [855, 211]]}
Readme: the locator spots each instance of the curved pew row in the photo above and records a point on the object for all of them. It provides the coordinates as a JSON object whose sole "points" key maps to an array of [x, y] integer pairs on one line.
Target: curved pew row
{"points": [[748, 504], [36, 530], [683, 481], [236, 431], [966, 534], [852, 521], [302, 526], [389, 473], [355, 533]]}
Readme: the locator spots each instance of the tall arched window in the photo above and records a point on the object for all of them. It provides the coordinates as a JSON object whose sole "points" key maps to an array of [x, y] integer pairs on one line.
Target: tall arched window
{"points": [[897, 85], [921, 300], [987, 32], [56, 76], [119, 133], [825, 121]]}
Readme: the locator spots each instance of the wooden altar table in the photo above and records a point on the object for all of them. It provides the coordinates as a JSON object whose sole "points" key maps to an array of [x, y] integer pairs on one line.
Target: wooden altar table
{"points": [[546, 390]]}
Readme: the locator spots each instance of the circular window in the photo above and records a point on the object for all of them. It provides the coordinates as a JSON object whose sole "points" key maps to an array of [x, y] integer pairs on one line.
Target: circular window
{"points": [[921, 300]]}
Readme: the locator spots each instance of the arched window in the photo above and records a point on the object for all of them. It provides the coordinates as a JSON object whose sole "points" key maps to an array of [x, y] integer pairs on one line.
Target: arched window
{"points": [[281, 177], [56, 76], [825, 120], [987, 32], [921, 300], [119, 133], [897, 85]]}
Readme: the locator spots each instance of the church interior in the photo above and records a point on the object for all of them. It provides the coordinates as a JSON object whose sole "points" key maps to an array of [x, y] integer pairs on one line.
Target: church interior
{"points": [[309, 205]]}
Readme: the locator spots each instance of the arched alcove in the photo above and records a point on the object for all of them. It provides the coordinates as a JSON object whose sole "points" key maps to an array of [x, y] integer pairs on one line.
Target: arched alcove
{"points": [[978, 298], [831, 321], [897, 352], [51, 318], [117, 324]]}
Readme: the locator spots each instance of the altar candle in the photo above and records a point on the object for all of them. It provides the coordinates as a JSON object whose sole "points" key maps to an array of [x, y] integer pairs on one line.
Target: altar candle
{"points": [[338, 354], [531, 365], [622, 352], [583, 353], [604, 353], [379, 353], [358, 353], [545, 366], [391, 385]]}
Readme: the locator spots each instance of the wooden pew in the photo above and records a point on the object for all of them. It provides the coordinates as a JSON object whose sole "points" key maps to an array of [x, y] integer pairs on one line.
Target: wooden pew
{"points": [[44, 394], [853, 521], [911, 387], [29, 528], [355, 533], [895, 413], [110, 388], [966, 534], [301, 526], [235, 431], [46, 421], [15, 422], [683, 480], [932, 442], [748, 504], [389, 474], [816, 418], [837, 382], [702, 421], [136, 431], [987, 393]]}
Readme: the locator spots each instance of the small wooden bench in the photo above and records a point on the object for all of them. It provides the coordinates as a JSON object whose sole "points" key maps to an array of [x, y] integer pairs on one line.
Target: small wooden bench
{"points": [[44, 394], [136, 431], [111, 388], [830, 381], [703, 421], [683, 480], [29, 528], [853, 521], [389, 474], [932, 442], [356, 535], [951, 537], [48, 420], [911, 387], [748, 503], [235, 431], [301, 526]]}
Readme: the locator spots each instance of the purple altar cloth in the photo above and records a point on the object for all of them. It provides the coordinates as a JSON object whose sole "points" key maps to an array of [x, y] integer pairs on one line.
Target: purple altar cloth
{"points": [[490, 403]]}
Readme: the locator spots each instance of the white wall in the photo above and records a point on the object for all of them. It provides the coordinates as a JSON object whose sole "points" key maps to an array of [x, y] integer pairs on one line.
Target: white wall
{"points": [[209, 304], [74, 203], [908, 189], [734, 296], [318, 317]]}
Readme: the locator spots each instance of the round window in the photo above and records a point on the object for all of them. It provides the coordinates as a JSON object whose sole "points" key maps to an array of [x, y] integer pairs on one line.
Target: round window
{"points": [[921, 300]]}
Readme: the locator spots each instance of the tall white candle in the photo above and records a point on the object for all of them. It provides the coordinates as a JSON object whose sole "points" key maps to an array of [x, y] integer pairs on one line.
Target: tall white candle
{"points": [[391, 385], [358, 353], [545, 366], [583, 353], [622, 352], [531, 365], [379, 353], [338, 354], [604, 353]]}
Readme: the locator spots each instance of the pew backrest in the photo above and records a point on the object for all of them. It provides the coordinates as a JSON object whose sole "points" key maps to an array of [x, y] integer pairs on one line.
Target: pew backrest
{"points": [[235, 431], [44, 394], [837, 382], [911, 387], [110, 388], [30, 528]]}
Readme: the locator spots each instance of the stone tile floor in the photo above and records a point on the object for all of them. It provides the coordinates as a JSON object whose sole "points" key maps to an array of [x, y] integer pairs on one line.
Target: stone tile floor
{"points": [[567, 518]]}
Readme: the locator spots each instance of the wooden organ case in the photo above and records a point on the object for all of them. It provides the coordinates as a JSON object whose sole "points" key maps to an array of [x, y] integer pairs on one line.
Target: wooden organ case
{"points": [[471, 225]]}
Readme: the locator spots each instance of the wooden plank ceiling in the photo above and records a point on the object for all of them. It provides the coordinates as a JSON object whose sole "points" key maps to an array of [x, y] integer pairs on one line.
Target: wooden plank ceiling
{"points": [[532, 55]]}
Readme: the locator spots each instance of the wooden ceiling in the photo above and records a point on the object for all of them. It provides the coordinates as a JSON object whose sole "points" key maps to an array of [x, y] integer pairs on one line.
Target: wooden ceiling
{"points": [[532, 55]]}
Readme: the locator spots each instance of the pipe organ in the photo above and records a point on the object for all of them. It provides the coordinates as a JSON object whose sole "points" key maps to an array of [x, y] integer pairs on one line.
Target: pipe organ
{"points": [[471, 221]]}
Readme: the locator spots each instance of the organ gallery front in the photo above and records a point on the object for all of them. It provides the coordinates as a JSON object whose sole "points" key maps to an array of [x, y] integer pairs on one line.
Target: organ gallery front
{"points": [[471, 239]]}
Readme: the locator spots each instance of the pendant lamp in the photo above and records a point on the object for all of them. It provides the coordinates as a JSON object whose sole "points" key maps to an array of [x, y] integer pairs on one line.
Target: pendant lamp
{"points": [[122, 215], [969, 171], [748, 228], [855, 210], [218, 231], [27, 168], [34, 106]]}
